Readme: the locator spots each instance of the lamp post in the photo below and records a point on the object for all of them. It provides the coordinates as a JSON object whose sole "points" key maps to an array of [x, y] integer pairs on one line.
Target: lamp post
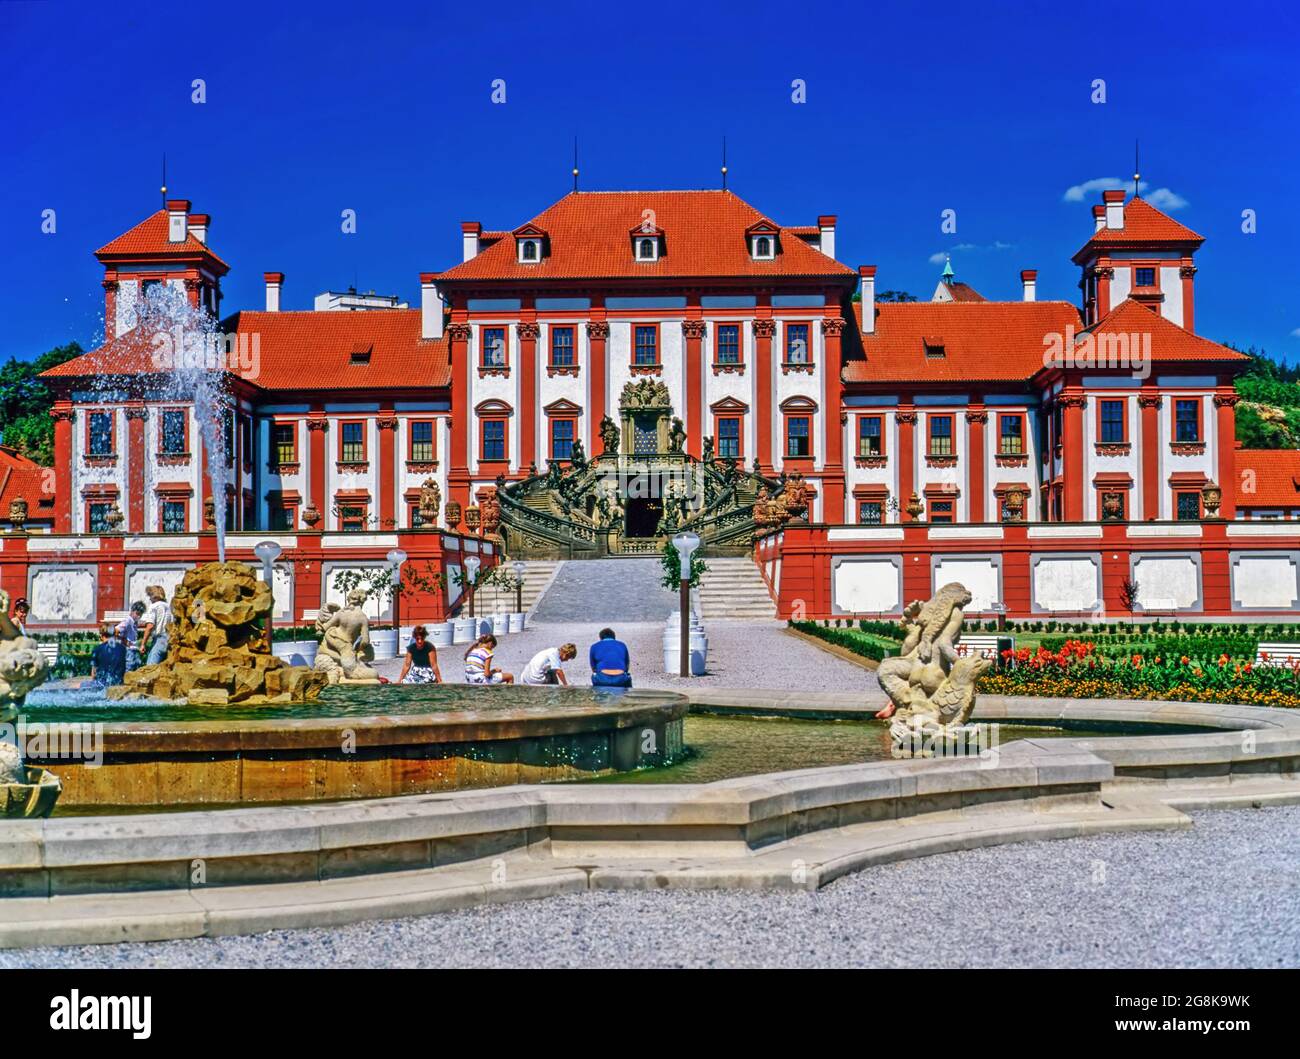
{"points": [[268, 552], [519, 566], [395, 560], [472, 564], [685, 543]]}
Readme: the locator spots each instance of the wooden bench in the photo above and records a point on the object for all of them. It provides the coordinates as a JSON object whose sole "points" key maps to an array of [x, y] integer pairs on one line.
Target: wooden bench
{"points": [[1158, 608], [982, 645], [50, 651], [1278, 654]]}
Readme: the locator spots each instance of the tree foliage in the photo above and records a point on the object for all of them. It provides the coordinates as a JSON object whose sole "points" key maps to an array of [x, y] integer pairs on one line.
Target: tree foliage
{"points": [[25, 403], [1268, 416]]}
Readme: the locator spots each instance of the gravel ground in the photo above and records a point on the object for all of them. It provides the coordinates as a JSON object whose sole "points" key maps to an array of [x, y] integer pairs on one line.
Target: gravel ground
{"points": [[1225, 894], [742, 654]]}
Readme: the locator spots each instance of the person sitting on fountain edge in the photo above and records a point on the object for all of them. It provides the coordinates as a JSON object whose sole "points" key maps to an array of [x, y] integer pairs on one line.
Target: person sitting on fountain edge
{"points": [[478, 663], [19, 617], [421, 665], [611, 665], [108, 660], [546, 666]]}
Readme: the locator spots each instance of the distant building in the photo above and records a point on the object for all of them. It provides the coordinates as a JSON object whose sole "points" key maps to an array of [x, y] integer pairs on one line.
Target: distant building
{"points": [[350, 301]]}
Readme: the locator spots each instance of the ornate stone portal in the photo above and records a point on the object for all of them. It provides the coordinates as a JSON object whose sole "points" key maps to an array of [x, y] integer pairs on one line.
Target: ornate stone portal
{"points": [[24, 789], [931, 686]]}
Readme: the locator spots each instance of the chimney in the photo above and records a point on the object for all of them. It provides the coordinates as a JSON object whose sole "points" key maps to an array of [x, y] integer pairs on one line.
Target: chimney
{"points": [[868, 276], [1114, 201], [469, 233], [1098, 218], [274, 281], [431, 306], [198, 223], [177, 211], [827, 226], [1029, 278]]}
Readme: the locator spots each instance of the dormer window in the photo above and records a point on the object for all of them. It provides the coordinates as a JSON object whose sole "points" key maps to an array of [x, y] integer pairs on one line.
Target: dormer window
{"points": [[647, 248], [934, 349], [530, 244], [762, 240], [530, 251]]}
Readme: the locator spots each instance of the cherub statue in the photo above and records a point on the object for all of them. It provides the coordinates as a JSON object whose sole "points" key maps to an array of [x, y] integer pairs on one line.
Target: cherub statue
{"points": [[609, 434], [706, 450], [430, 502], [345, 649], [578, 458], [676, 435]]}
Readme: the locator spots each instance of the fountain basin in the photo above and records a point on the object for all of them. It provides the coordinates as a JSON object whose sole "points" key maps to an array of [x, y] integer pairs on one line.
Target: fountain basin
{"points": [[357, 742]]}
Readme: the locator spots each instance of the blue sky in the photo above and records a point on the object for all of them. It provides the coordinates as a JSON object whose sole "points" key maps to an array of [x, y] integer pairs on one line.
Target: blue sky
{"points": [[386, 109]]}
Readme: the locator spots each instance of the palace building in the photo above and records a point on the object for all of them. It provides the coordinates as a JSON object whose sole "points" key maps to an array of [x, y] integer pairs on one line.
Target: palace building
{"points": [[624, 364]]}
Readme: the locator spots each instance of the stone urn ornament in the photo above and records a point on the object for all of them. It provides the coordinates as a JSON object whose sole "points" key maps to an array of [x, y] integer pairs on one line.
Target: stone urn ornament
{"points": [[18, 512], [1015, 504], [1211, 498], [452, 513], [915, 508], [310, 516], [473, 518], [1110, 506], [114, 518]]}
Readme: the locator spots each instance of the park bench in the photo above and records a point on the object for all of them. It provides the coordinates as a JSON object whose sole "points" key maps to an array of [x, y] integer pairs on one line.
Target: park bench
{"points": [[982, 645], [1278, 654], [1159, 608], [50, 651]]}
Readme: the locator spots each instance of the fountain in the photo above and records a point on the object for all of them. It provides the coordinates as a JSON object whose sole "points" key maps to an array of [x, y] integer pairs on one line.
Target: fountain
{"points": [[24, 790], [217, 652]]}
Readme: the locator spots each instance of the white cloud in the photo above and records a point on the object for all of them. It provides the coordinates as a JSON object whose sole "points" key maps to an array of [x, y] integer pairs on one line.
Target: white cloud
{"points": [[937, 258], [1081, 191], [1296, 333], [1160, 198], [1164, 199]]}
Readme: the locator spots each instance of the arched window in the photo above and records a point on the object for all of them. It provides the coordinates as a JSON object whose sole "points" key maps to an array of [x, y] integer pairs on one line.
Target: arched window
{"points": [[530, 250], [646, 250], [764, 247]]}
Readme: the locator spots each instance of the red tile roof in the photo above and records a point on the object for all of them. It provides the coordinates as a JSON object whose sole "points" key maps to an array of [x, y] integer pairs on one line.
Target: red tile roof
{"points": [[1144, 225], [985, 341], [303, 351], [704, 236], [148, 239], [21, 477], [1276, 478], [964, 292], [1169, 342]]}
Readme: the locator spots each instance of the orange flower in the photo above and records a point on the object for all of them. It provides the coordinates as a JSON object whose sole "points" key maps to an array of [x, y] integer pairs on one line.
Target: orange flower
{"points": [[1184, 660]]}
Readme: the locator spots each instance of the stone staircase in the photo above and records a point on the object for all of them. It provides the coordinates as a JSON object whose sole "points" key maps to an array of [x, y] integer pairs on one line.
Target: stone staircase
{"points": [[537, 578], [733, 589]]}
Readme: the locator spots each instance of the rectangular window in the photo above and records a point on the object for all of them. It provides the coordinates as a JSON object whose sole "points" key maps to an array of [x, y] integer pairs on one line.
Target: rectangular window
{"points": [[941, 510], [353, 441], [798, 436], [173, 516], [1112, 422], [870, 440], [562, 347], [729, 439], [1188, 506], [871, 513], [562, 439], [1011, 435], [494, 439], [1146, 277], [647, 344], [281, 517], [97, 516], [940, 435], [422, 441], [352, 518], [728, 343], [1187, 420], [797, 350], [101, 434], [173, 431], [493, 341], [284, 443]]}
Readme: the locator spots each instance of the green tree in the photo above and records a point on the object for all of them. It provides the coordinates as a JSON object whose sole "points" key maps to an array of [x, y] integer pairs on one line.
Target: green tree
{"points": [[1269, 414], [25, 402]]}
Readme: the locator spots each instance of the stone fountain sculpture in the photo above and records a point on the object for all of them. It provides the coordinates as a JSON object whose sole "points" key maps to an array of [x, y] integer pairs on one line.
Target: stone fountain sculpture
{"points": [[931, 685], [24, 789], [345, 651], [217, 652]]}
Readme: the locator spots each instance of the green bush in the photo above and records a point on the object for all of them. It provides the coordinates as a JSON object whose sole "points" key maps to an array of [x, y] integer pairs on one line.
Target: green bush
{"points": [[860, 643]]}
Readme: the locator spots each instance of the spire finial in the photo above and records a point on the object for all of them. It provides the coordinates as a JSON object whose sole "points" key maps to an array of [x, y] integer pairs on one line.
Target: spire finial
{"points": [[1137, 170], [163, 189], [575, 163], [724, 163], [947, 269]]}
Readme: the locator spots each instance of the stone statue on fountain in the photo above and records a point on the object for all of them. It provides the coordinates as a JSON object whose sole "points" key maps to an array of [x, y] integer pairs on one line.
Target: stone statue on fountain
{"points": [[24, 790], [931, 684], [345, 652]]}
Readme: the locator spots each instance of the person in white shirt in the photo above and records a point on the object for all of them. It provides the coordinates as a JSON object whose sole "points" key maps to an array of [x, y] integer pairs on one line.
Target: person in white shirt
{"points": [[157, 623], [546, 666]]}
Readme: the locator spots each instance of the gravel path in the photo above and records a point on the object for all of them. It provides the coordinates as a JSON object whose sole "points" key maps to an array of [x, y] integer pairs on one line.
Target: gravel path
{"points": [[742, 654], [604, 590], [1225, 894]]}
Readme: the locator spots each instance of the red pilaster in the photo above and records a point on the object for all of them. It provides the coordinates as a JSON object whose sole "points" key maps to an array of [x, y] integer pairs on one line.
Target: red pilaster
{"points": [[832, 386], [693, 386], [458, 474], [906, 417], [977, 418], [317, 437], [1187, 271], [1072, 405], [597, 333], [764, 329], [387, 424], [136, 415], [1225, 402], [1149, 403], [528, 413], [63, 481], [110, 307], [1105, 273]]}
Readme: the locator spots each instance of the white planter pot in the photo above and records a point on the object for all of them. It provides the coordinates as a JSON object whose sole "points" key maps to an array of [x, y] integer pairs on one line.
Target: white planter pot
{"points": [[484, 627], [296, 652], [500, 624], [442, 634], [699, 650], [464, 631], [517, 621], [384, 643]]}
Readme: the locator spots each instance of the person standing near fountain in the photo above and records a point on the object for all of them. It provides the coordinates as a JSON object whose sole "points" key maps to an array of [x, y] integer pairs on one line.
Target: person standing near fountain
{"points": [[129, 633], [108, 661], [157, 624], [421, 665]]}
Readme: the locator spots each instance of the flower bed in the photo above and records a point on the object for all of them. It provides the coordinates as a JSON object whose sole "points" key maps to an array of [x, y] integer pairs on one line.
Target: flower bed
{"points": [[1078, 671]]}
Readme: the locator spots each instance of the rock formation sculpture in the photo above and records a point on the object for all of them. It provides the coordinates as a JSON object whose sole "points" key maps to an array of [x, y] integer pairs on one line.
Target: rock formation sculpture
{"points": [[217, 652]]}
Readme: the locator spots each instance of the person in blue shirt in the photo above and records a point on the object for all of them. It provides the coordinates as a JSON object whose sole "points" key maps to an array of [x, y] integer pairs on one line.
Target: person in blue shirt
{"points": [[108, 661], [610, 664]]}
